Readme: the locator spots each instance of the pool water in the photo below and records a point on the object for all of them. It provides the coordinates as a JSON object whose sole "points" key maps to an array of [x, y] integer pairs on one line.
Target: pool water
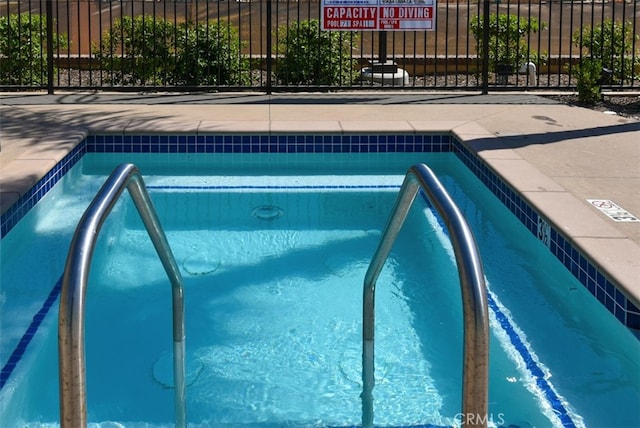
{"points": [[273, 262]]}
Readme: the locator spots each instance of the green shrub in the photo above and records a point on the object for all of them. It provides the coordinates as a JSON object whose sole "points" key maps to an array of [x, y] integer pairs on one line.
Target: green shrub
{"points": [[138, 50], [210, 54], [23, 49], [310, 56], [146, 50], [589, 75], [507, 39], [612, 44]]}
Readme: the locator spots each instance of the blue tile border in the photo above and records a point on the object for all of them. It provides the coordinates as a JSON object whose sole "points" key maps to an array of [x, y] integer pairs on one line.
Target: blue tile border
{"points": [[589, 275], [22, 206], [595, 280], [319, 143]]}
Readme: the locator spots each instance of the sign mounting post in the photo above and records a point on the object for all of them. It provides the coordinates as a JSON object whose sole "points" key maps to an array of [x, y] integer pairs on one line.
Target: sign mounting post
{"points": [[380, 16]]}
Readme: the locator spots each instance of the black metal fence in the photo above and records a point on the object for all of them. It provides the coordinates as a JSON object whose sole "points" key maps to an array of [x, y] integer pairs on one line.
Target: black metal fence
{"points": [[277, 45]]}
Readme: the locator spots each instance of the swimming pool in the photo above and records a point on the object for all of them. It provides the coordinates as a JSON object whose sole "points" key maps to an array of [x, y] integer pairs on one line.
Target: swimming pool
{"points": [[544, 322]]}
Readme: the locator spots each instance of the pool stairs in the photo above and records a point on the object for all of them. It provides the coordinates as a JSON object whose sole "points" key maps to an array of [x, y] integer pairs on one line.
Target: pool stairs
{"points": [[71, 346], [472, 282], [419, 178]]}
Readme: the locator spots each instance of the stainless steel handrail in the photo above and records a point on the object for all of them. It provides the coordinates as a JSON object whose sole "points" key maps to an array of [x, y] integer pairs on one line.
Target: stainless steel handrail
{"points": [[71, 352], [475, 388]]}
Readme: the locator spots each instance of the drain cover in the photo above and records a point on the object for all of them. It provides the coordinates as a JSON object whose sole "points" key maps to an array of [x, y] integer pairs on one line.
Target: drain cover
{"points": [[267, 212]]}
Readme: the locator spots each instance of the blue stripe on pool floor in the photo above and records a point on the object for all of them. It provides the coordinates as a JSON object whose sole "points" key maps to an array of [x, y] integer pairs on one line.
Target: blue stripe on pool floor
{"points": [[26, 338], [531, 364]]}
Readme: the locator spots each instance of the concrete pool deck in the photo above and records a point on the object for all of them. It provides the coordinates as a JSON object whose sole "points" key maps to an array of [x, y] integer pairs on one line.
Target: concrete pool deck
{"points": [[556, 156]]}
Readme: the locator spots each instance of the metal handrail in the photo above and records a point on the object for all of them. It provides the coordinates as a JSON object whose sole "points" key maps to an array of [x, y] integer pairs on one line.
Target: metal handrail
{"points": [[71, 352], [475, 388]]}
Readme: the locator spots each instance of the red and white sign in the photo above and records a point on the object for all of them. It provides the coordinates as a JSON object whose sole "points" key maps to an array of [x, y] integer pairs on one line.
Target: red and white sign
{"points": [[406, 18], [378, 15], [349, 18]]}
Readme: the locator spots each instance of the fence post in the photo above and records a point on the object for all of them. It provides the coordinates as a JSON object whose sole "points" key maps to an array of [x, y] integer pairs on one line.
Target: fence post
{"points": [[485, 51], [269, 47], [49, 11], [382, 47]]}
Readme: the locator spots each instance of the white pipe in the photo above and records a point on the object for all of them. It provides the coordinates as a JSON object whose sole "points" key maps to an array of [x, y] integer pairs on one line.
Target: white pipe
{"points": [[530, 69]]}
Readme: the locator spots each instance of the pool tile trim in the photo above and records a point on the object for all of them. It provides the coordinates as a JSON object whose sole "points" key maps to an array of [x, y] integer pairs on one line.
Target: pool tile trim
{"points": [[29, 199], [594, 279], [590, 276]]}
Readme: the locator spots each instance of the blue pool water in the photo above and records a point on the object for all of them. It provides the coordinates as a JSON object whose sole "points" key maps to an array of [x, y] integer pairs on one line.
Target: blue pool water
{"points": [[273, 261]]}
